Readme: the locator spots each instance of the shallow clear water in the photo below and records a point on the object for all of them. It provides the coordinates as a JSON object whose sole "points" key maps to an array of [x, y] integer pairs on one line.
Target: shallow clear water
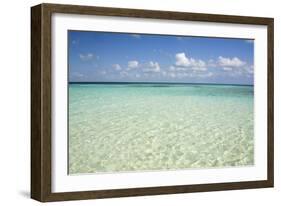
{"points": [[136, 127]]}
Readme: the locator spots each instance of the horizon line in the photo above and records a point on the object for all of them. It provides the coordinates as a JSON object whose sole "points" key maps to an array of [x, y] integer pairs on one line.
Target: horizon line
{"points": [[119, 82]]}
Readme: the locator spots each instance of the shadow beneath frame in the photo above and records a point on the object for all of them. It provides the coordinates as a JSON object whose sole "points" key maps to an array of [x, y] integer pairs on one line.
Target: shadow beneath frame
{"points": [[24, 193]]}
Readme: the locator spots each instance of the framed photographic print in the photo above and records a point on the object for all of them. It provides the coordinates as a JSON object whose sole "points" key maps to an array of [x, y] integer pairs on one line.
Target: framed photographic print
{"points": [[130, 102]]}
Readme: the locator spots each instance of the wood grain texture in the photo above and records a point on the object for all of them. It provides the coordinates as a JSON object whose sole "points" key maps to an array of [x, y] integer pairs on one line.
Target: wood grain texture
{"points": [[123, 12], [270, 102], [41, 173], [36, 58], [40, 103]]}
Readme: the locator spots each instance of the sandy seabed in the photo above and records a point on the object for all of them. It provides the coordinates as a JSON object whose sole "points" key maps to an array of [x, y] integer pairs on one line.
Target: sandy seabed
{"points": [[114, 128]]}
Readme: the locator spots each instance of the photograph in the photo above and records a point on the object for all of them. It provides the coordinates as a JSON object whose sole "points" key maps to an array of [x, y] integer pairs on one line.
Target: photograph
{"points": [[156, 102], [133, 102]]}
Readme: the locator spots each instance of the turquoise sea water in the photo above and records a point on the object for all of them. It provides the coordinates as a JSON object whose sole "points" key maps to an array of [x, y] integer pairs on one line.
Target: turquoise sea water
{"points": [[138, 127]]}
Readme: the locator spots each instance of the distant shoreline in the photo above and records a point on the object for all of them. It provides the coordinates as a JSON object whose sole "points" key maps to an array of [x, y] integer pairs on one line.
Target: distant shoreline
{"points": [[171, 83]]}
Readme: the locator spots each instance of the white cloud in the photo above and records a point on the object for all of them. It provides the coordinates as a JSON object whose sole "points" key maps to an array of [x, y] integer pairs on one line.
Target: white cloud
{"points": [[250, 69], [234, 66], [117, 67], [230, 62], [183, 63], [182, 60], [152, 67], [86, 57], [133, 64], [187, 67], [198, 63]]}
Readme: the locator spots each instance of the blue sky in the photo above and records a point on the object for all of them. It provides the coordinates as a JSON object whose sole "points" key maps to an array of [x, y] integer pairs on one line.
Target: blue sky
{"points": [[121, 57]]}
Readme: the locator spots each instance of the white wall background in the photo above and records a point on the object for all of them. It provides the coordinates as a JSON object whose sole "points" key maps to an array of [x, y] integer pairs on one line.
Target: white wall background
{"points": [[15, 102]]}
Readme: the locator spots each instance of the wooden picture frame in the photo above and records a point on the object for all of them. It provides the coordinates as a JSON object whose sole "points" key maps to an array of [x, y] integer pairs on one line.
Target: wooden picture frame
{"points": [[41, 116]]}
